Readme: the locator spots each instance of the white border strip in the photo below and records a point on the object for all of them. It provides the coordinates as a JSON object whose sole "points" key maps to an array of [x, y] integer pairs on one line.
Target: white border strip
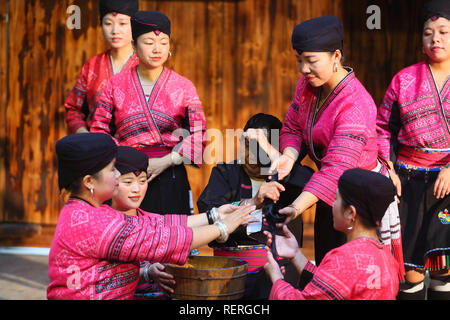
{"points": [[25, 251]]}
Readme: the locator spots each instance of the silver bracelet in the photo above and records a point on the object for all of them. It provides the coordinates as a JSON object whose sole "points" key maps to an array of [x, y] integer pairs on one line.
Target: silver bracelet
{"points": [[146, 276], [215, 214], [223, 231]]}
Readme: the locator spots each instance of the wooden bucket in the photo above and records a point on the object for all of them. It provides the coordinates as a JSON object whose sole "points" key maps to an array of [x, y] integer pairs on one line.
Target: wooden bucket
{"points": [[209, 278]]}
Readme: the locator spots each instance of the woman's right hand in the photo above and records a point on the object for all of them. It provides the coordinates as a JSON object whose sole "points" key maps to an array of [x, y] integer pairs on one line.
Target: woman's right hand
{"points": [[282, 165], [240, 216], [287, 245]]}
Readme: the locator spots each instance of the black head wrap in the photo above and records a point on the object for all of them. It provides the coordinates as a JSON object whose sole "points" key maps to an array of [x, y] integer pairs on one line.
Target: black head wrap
{"points": [[148, 21], [369, 192], [128, 7], [435, 9], [322, 34], [131, 160], [82, 154]]}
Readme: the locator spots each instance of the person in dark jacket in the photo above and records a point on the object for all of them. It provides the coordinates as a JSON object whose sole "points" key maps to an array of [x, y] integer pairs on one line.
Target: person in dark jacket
{"points": [[246, 182]]}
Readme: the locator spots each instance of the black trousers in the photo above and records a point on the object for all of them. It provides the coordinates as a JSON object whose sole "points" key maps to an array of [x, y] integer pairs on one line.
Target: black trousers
{"points": [[169, 193]]}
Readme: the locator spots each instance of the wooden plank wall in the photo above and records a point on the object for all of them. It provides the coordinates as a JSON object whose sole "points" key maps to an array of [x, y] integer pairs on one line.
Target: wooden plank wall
{"points": [[236, 52], [3, 100]]}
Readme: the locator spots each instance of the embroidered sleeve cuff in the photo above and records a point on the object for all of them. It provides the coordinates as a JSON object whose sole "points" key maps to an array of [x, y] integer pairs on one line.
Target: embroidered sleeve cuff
{"points": [[292, 141]]}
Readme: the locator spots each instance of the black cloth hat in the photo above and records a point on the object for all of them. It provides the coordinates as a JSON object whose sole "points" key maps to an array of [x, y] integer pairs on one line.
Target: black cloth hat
{"points": [[131, 160], [148, 21], [81, 154], [128, 7], [436, 8], [369, 192], [322, 34]]}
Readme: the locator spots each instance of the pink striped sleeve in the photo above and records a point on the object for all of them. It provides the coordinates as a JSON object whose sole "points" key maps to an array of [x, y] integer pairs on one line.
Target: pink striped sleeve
{"points": [[317, 289], [310, 267], [281, 290], [103, 111], [74, 103], [166, 220], [193, 145], [291, 132], [176, 219], [383, 120], [131, 238]]}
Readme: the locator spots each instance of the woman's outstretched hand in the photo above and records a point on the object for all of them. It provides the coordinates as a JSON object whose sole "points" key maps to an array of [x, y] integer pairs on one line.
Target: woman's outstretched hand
{"points": [[238, 216], [282, 165], [290, 212]]}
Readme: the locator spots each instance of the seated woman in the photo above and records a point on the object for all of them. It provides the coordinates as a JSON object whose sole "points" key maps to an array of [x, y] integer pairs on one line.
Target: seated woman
{"points": [[96, 250], [132, 165], [245, 182], [131, 190], [362, 268]]}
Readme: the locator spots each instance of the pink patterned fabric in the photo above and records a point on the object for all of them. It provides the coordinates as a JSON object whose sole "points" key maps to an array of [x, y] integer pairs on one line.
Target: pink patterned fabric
{"points": [[414, 106], [343, 132], [95, 252], [173, 104], [88, 87], [361, 269]]}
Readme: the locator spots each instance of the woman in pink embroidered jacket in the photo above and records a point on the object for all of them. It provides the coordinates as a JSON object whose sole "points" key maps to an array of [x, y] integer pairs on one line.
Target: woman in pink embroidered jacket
{"points": [[332, 119], [115, 19], [132, 165], [362, 268], [157, 111], [414, 135], [96, 250]]}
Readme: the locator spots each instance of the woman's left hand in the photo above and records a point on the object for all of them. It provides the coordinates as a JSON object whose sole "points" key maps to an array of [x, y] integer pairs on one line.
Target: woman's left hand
{"points": [[442, 184], [163, 279], [156, 166], [226, 209]]}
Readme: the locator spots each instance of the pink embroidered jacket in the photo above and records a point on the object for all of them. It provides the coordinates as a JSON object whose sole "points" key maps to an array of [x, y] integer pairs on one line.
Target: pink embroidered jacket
{"points": [[413, 117], [96, 252], [173, 105], [339, 136], [361, 269], [88, 87]]}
